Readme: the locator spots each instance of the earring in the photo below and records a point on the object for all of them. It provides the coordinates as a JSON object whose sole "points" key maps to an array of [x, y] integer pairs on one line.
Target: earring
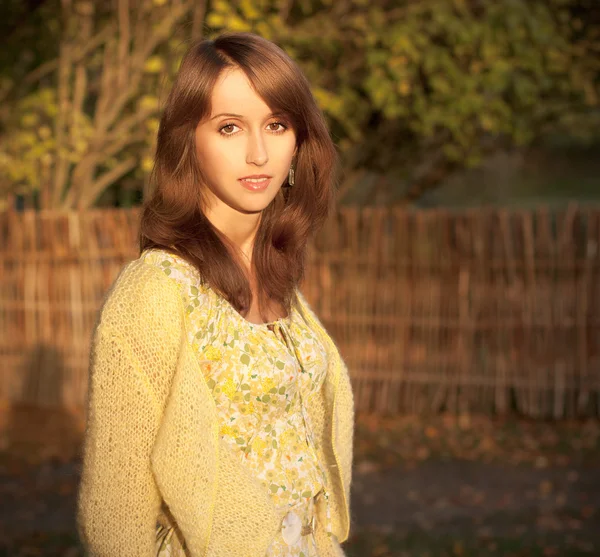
{"points": [[291, 177]]}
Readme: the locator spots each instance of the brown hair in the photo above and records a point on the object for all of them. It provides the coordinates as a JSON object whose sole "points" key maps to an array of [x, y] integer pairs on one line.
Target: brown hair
{"points": [[172, 217]]}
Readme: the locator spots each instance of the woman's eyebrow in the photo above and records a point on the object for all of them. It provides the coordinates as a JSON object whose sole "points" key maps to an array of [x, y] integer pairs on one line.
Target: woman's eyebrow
{"points": [[231, 115]]}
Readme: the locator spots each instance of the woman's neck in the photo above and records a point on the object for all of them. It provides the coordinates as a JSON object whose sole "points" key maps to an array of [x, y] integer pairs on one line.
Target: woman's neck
{"points": [[239, 228]]}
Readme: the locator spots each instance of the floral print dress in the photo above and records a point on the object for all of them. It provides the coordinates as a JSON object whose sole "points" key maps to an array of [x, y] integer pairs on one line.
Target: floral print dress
{"points": [[260, 375]]}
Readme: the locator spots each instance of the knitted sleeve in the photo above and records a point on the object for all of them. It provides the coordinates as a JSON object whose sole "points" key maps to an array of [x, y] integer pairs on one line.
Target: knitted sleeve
{"points": [[133, 354]]}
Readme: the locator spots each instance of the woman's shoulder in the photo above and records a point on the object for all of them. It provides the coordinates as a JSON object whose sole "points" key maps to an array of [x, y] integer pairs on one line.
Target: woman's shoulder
{"points": [[174, 266], [140, 294], [183, 274]]}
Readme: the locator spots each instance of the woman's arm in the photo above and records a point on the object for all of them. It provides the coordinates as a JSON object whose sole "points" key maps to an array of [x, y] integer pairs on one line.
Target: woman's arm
{"points": [[134, 351]]}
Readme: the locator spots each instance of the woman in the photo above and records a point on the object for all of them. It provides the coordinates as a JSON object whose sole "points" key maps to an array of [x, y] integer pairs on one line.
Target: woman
{"points": [[220, 414]]}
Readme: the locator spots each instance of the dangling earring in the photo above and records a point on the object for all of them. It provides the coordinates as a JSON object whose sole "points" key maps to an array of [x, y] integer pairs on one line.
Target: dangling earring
{"points": [[291, 177]]}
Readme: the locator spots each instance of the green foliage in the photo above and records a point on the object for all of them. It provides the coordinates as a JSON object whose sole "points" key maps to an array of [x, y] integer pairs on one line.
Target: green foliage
{"points": [[28, 148], [411, 89], [408, 81], [75, 153]]}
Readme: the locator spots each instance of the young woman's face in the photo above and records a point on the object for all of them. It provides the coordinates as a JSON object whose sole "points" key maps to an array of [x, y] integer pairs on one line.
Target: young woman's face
{"points": [[244, 151]]}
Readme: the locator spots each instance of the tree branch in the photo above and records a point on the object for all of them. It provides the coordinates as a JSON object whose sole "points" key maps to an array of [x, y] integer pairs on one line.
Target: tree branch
{"points": [[138, 59], [198, 19], [95, 189], [51, 66], [124, 39], [64, 76]]}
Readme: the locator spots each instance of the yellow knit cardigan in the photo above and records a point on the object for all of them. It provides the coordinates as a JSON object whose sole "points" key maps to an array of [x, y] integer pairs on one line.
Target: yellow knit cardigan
{"points": [[152, 436]]}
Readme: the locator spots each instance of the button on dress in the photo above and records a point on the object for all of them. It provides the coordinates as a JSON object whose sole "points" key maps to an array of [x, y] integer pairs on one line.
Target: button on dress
{"points": [[260, 376]]}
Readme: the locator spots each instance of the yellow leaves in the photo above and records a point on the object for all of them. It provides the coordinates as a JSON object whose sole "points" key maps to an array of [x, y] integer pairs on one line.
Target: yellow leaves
{"points": [[44, 132], [328, 101], [31, 144], [223, 15], [265, 30], [235, 23], [29, 120], [27, 138], [215, 20], [154, 64], [221, 6], [148, 102], [152, 124], [147, 164], [80, 146], [249, 10]]}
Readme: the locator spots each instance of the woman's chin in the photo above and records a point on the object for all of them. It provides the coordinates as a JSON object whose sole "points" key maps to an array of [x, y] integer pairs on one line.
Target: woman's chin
{"points": [[255, 203], [256, 206]]}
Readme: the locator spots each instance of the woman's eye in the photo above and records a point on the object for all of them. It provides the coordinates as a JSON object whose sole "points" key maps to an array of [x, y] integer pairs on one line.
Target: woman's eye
{"points": [[275, 127], [280, 128], [227, 128]]}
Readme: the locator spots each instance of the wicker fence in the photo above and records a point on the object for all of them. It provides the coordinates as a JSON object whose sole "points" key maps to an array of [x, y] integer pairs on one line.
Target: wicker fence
{"points": [[477, 311]]}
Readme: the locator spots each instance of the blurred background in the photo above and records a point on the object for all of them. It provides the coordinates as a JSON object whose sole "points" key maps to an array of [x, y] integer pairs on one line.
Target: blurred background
{"points": [[459, 275]]}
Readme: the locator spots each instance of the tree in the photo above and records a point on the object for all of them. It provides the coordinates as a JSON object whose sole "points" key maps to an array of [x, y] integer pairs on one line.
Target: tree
{"points": [[413, 89], [90, 121], [418, 89]]}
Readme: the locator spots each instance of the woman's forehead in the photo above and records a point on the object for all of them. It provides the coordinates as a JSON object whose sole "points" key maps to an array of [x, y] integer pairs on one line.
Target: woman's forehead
{"points": [[233, 94]]}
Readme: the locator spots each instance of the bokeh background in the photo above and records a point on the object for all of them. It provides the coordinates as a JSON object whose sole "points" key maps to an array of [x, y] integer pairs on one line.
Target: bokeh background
{"points": [[459, 275]]}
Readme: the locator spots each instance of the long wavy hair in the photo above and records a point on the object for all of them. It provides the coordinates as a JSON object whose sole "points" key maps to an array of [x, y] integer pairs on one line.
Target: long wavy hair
{"points": [[173, 217]]}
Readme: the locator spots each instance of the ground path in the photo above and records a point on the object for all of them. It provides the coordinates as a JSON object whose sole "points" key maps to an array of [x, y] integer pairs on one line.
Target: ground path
{"points": [[460, 499], [465, 481]]}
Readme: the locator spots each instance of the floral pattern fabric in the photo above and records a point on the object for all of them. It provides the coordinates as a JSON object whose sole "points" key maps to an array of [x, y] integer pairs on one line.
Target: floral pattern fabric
{"points": [[260, 376]]}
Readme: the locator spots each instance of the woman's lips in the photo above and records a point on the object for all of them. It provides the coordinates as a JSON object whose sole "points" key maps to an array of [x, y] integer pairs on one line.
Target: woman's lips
{"points": [[256, 185]]}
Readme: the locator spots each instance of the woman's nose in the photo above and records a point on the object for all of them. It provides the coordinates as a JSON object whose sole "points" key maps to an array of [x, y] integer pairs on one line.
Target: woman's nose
{"points": [[257, 150]]}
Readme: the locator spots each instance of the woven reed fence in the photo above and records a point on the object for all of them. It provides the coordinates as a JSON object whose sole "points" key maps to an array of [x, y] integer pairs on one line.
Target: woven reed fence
{"points": [[476, 311]]}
